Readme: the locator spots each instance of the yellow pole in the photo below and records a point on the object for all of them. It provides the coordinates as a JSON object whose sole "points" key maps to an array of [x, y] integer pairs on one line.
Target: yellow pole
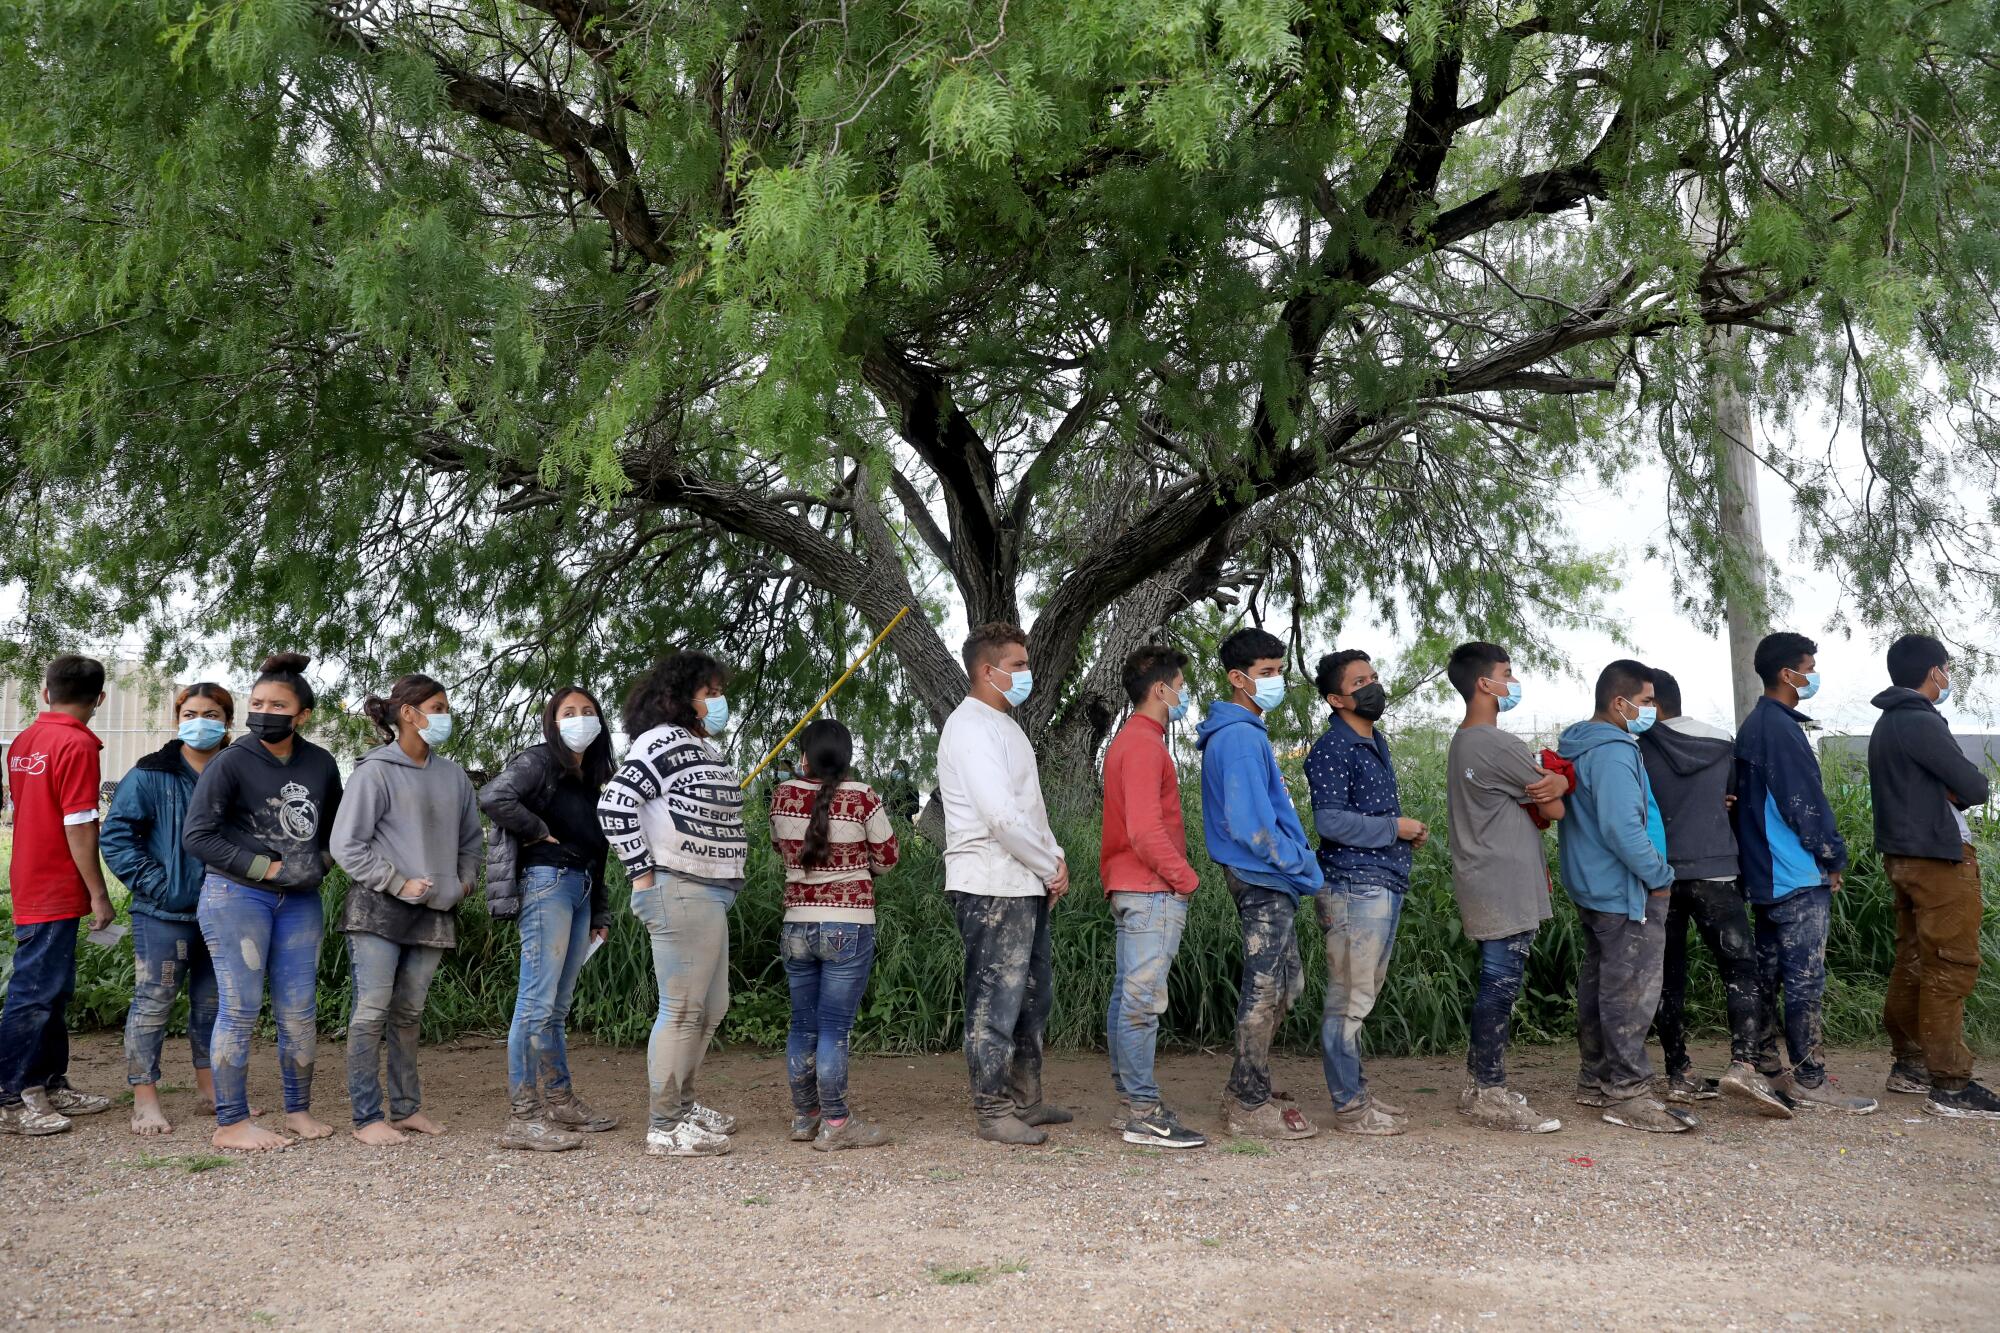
{"points": [[830, 692]]}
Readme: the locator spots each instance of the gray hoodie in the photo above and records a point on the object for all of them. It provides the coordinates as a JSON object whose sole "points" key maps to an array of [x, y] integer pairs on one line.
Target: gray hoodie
{"points": [[401, 820]]}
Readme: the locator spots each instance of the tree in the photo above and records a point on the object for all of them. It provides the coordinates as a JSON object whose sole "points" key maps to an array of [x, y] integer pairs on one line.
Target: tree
{"points": [[537, 334]]}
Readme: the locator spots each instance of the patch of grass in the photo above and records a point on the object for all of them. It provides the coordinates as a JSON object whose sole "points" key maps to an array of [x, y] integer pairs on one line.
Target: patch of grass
{"points": [[1211, 1242], [263, 1317], [758, 1200], [1240, 1147], [943, 1173], [959, 1277], [1009, 1267], [191, 1163]]}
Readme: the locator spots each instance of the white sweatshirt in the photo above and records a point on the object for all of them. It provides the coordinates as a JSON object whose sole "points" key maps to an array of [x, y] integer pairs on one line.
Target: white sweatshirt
{"points": [[997, 841]]}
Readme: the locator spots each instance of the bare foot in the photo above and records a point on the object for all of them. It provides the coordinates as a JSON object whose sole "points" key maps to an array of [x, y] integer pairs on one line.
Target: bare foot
{"points": [[302, 1124], [420, 1124], [147, 1118], [246, 1137], [378, 1134]]}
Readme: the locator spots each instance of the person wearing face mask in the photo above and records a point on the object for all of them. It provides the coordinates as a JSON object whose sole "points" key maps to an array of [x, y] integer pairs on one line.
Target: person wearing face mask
{"points": [[1792, 858], [142, 846], [1003, 872], [259, 820], [1253, 832], [1143, 865], [408, 835], [1366, 846], [673, 815], [545, 866], [1922, 784], [1613, 853]]}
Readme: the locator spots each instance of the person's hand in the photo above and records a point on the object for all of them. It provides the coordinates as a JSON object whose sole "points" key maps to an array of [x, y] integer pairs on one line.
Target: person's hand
{"points": [[102, 913], [1411, 831], [413, 889], [1058, 883], [1729, 801], [1835, 880], [554, 839], [600, 933], [1661, 893], [1548, 787], [277, 869]]}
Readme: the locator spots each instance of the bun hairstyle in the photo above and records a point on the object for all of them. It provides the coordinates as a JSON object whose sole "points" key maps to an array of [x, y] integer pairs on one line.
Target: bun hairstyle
{"points": [[289, 670], [412, 691], [829, 751]]}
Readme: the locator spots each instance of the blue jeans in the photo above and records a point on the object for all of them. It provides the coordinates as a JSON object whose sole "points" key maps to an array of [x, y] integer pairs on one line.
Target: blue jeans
{"points": [[1149, 935], [827, 964], [1791, 962], [254, 935], [34, 1041], [164, 954], [689, 927], [391, 981], [1502, 965], [1273, 980], [1359, 921], [555, 932]]}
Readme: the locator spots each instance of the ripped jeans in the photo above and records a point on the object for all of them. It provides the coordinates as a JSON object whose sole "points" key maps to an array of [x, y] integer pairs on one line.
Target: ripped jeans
{"points": [[1503, 963], [1008, 996], [255, 935], [1273, 980], [1149, 935], [1359, 922], [164, 955]]}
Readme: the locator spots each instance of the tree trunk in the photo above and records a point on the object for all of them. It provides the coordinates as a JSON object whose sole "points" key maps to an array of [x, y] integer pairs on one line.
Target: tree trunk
{"points": [[1742, 571]]}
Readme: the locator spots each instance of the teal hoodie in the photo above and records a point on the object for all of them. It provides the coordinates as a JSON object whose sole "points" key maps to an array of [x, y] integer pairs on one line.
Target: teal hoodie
{"points": [[1612, 845]]}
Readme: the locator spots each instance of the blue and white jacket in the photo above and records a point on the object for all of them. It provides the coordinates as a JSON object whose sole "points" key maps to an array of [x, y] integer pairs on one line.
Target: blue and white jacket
{"points": [[1785, 834]]}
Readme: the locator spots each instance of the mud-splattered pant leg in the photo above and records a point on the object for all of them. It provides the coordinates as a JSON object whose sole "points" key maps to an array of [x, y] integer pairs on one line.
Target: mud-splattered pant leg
{"points": [[34, 1043], [1937, 963], [1273, 979], [1617, 993], [1791, 964], [555, 932], [689, 928], [1000, 936], [1038, 1001], [1359, 925], [1716, 909], [1150, 926], [166, 954], [1503, 963], [253, 936], [826, 970], [391, 982]]}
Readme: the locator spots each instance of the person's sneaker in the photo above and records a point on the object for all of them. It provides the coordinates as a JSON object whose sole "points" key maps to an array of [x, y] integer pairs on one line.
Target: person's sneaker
{"points": [[21, 1118], [1826, 1097], [1971, 1102], [1272, 1120], [805, 1128], [1909, 1077], [1685, 1087], [1042, 1113], [1742, 1081], [538, 1136], [1646, 1113], [687, 1139], [1009, 1129], [1157, 1127], [1121, 1113], [1367, 1117], [1387, 1108], [1587, 1095], [853, 1132], [570, 1111], [712, 1120], [65, 1101], [1498, 1108]]}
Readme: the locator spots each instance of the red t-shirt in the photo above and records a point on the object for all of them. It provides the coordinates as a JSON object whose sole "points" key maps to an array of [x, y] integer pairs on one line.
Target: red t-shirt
{"points": [[52, 771]]}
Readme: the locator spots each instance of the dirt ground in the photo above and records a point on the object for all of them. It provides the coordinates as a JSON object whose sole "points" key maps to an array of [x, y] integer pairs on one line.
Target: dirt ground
{"points": [[1891, 1219]]}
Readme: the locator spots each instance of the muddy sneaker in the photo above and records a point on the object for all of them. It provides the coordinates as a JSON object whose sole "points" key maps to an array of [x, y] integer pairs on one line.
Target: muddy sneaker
{"points": [[1121, 1113], [1157, 1127], [1009, 1129], [570, 1111], [1826, 1097], [1387, 1108], [712, 1120], [538, 1136], [1043, 1114], [1743, 1082], [1685, 1087], [853, 1132], [1971, 1102], [1272, 1120], [65, 1101], [1909, 1077], [1497, 1108], [21, 1118], [805, 1128], [1588, 1095], [1367, 1117], [1647, 1114], [687, 1139]]}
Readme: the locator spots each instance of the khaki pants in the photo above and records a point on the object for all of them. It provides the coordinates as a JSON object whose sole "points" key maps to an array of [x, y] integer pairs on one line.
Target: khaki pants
{"points": [[1937, 962]]}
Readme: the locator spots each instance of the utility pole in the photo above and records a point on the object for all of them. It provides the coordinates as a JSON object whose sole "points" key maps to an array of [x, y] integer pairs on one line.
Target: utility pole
{"points": [[1742, 572]]}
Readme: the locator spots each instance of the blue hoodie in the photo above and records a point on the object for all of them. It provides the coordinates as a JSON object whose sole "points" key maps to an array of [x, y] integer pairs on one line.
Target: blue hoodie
{"points": [[1247, 815], [141, 838], [1613, 845]]}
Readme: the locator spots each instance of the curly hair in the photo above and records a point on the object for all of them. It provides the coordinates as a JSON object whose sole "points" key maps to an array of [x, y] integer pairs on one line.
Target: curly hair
{"points": [[665, 694]]}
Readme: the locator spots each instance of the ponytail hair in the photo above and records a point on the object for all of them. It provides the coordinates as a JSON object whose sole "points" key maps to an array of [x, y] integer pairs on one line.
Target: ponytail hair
{"points": [[288, 670], [829, 751], [411, 691]]}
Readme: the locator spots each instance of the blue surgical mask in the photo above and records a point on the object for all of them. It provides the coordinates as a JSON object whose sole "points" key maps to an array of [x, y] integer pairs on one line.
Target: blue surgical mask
{"points": [[1811, 687], [1643, 723], [202, 733], [1270, 692], [1945, 693], [436, 729], [1178, 710], [715, 715], [1021, 686], [1512, 698]]}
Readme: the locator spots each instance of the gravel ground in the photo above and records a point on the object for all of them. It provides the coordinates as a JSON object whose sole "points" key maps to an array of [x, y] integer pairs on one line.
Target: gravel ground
{"points": [[1888, 1219]]}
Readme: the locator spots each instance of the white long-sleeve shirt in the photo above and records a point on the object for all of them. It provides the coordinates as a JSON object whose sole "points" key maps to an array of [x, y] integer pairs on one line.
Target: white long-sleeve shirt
{"points": [[997, 841]]}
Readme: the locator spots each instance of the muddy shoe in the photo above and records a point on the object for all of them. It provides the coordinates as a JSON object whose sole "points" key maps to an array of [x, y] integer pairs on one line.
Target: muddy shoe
{"points": [[1743, 1082], [1909, 1077], [1647, 1114], [853, 1132], [687, 1139], [1272, 1120], [1121, 1113], [1685, 1088], [538, 1136], [21, 1118], [1497, 1108], [805, 1128], [1387, 1108], [1826, 1097], [712, 1120], [1589, 1095], [1009, 1129], [570, 1111], [1971, 1102], [1043, 1114], [1367, 1118], [65, 1101], [1157, 1127]]}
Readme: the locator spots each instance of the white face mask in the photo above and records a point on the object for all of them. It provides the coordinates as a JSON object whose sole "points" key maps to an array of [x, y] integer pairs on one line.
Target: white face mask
{"points": [[578, 732]]}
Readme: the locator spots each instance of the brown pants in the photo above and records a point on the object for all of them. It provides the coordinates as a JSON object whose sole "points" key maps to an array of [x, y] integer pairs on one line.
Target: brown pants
{"points": [[1937, 962]]}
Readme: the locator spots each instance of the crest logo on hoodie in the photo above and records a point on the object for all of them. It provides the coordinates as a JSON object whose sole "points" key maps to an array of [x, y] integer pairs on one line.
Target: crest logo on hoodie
{"points": [[297, 813]]}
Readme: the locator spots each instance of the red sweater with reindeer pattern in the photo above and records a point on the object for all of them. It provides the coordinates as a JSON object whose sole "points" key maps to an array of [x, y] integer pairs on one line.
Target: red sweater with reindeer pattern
{"points": [[860, 843]]}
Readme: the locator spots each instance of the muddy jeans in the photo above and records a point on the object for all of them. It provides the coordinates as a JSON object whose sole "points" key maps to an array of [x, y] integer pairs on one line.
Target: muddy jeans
{"points": [[391, 982], [689, 926], [34, 1036], [1150, 926], [1716, 908], [1503, 963], [1273, 980], [1008, 995], [1617, 990], [1359, 922], [826, 969], [1791, 961], [254, 935], [1937, 963], [165, 954], [555, 935]]}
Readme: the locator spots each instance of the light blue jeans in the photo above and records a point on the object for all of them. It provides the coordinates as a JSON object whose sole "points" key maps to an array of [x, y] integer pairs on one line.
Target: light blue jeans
{"points": [[555, 932], [391, 982], [826, 967], [1359, 922], [253, 935], [1149, 935], [689, 927], [166, 954]]}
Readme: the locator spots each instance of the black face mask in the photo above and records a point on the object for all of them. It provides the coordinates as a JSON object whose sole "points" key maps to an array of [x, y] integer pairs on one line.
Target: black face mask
{"points": [[1369, 701], [271, 727]]}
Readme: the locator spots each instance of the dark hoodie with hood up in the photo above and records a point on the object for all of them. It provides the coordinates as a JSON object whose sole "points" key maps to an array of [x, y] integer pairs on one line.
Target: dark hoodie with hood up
{"points": [[1693, 771], [1916, 775]]}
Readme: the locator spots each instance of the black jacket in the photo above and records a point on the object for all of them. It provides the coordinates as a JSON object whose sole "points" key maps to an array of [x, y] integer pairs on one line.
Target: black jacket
{"points": [[514, 802], [250, 809], [1916, 773], [1692, 776]]}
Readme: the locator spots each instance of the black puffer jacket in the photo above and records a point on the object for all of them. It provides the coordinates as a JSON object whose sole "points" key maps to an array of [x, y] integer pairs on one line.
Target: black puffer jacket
{"points": [[514, 801], [1916, 772]]}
